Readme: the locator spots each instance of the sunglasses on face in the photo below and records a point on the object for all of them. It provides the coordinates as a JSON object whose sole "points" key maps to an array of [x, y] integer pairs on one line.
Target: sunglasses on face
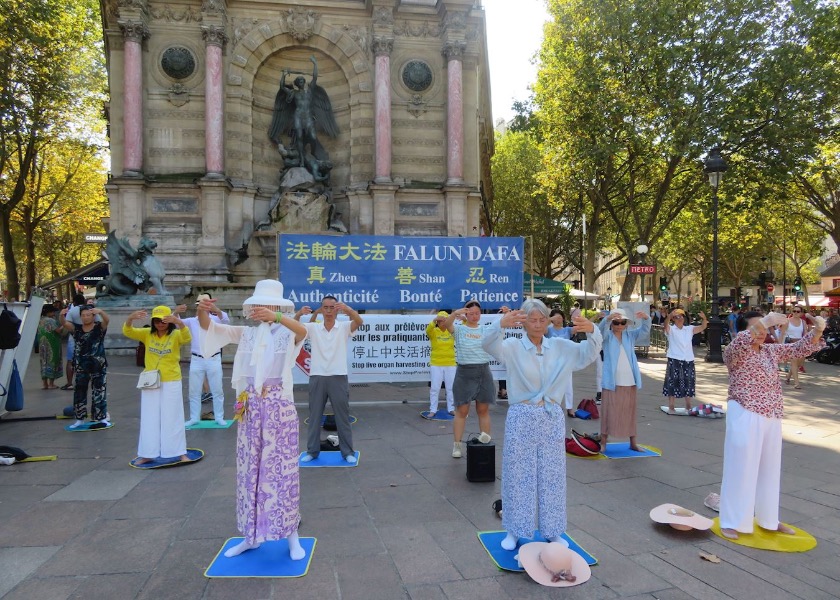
{"points": [[678, 316], [622, 322], [797, 311]]}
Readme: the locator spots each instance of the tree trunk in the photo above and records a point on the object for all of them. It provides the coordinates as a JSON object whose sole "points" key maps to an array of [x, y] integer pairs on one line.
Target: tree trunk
{"points": [[12, 282]]}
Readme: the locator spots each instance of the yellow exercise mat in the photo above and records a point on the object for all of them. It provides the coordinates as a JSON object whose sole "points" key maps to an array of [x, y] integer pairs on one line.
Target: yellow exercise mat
{"points": [[762, 539]]}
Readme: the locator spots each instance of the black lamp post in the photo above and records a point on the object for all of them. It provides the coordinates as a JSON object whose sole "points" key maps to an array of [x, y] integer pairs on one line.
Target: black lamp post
{"points": [[642, 249], [609, 298], [714, 167]]}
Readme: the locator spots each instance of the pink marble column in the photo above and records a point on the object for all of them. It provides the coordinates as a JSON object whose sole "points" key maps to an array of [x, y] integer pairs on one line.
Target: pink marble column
{"points": [[214, 122], [134, 34], [454, 113], [382, 109]]}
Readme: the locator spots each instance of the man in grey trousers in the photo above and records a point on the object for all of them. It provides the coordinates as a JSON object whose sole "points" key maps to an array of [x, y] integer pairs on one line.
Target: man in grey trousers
{"points": [[328, 374]]}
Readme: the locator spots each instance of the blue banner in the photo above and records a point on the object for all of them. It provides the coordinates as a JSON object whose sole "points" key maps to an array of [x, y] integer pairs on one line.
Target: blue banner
{"points": [[392, 272]]}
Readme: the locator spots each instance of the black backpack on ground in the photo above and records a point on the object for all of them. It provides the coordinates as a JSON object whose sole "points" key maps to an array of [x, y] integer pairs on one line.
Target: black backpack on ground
{"points": [[9, 329]]}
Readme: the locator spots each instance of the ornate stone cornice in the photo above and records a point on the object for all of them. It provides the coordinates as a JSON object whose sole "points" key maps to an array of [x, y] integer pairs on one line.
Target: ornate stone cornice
{"points": [[141, 4], [134, 31], [214, 36], [383, 46], [455, 21], [454, 50], [166, 13], [301, 23]]}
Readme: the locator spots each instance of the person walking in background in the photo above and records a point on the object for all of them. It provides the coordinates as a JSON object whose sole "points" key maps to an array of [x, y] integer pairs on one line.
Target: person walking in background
{"points": [[442, 362], [50, 333], [201, 367], [328, 374], [752, 450], [680, 376], [89, 364], [162, 409], [534, 462], [473, 380], [622, 378], [792, 330], [557, 329]]}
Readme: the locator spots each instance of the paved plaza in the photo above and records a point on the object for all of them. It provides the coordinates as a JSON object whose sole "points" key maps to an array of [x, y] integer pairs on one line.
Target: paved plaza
{"points": [[403, 523]]}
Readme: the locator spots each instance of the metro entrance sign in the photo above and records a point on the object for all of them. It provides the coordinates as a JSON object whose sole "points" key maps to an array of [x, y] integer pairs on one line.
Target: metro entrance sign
{"points": [[643, 269]]}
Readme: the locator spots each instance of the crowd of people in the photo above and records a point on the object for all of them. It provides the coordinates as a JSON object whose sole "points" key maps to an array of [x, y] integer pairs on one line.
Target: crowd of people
{"points": [[539, 365]]}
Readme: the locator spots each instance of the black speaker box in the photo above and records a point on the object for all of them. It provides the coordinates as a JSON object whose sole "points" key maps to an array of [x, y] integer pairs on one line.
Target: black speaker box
{"points": [[481, 461]]}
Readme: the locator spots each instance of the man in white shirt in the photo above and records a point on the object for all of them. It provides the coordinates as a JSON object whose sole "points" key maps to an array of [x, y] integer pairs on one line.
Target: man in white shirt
{"points": [[328, 374], [205, 366]]}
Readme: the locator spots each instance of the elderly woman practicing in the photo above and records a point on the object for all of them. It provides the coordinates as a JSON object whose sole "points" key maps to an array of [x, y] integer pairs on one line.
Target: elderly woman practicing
{"points": [[267, 479], [752, 450], [622, 378], [534, 459]]}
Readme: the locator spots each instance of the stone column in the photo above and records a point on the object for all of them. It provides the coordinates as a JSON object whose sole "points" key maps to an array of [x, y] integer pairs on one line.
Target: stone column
{"points": [[382, 48], [214, 122], [134, 33], [454, 52]]}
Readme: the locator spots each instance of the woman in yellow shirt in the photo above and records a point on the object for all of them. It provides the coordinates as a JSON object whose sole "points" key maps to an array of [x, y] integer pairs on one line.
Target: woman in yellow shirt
{"points": [[161, 410], [443, 363]]}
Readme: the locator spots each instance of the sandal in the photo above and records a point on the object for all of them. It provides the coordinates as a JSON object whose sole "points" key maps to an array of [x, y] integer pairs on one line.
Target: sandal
{"points": [[502, 395], [797, 387], [67, 386]]}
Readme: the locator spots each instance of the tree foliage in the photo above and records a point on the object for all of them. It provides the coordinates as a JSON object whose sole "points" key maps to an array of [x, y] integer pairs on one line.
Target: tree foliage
{"points": [[51, 88], [630, 95]]}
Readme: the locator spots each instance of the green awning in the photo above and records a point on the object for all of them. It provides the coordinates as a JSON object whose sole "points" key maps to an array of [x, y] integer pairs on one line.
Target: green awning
{"points": [[543, 286]]}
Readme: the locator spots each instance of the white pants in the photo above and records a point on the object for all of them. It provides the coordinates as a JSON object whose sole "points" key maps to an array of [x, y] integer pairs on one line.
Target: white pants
{"points": [[752, 465], [212, 369], [599, 374], [445, 375], [162, 432], [570, 395]]}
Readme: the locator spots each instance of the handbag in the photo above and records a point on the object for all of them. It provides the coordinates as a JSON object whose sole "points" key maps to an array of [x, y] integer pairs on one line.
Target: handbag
{"points": [[589, 405], [149, 380], [14, 395]]}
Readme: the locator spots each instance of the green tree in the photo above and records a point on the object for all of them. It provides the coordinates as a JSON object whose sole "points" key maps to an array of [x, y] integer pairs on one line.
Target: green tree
{"points": [[51, 82], [632, 94]]}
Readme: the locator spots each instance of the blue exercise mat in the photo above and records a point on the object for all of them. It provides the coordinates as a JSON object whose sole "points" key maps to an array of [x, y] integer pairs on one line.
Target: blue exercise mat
{"points": [[441, 415], [194, 454], [271, 559], [207, 424], [505, 559], [88, 426], [329, 458], [622, 450]]}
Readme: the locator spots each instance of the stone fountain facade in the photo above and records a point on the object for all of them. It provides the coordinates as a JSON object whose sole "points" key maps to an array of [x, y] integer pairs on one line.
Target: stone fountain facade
{"points": [[192, 90]]}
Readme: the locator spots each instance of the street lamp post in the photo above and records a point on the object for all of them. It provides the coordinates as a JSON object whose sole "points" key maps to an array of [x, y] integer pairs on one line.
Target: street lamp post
{"points": [[714, 167], [609, 298], [642, 249]]}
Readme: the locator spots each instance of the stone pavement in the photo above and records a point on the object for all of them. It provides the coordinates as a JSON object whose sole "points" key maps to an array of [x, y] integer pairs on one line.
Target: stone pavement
{"points": [[403, 523]]}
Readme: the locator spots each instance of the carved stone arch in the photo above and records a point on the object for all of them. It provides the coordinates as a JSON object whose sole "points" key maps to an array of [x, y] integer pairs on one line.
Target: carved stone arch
{"points": [[250, 59]]}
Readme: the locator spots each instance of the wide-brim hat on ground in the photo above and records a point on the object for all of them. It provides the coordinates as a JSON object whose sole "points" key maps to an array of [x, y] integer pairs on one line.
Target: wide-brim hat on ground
{"points": [[269, 292], [201, 297], [158, 312], [549, 563], [679, 518]]}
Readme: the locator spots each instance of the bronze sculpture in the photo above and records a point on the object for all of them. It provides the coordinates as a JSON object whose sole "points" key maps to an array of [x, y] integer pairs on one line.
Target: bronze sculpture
{"points": [[132, 270], [301, 111]]}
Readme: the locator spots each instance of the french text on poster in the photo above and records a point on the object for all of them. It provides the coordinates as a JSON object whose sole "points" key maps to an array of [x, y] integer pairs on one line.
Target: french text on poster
{"points": [[395, 272]]}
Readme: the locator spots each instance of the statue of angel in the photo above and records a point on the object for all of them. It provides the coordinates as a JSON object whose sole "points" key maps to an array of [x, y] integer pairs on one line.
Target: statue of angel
{"points": [[301, 111], [131, 270]]}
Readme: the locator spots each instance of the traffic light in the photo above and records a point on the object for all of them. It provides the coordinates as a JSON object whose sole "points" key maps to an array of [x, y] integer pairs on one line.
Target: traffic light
{"points": [[663, 284], [762, 279], [797, 284]]}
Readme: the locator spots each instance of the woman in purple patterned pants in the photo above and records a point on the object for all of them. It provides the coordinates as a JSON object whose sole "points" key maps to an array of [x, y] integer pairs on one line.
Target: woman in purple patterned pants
{"points": [[267, 444]]}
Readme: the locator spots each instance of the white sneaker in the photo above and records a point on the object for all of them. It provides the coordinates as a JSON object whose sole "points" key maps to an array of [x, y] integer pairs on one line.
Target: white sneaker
{"points": [[7, 460], [190, 423], [712, 501], [221, 422], [350, 459], [484, 438], [456, 450], [306, 457]]}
